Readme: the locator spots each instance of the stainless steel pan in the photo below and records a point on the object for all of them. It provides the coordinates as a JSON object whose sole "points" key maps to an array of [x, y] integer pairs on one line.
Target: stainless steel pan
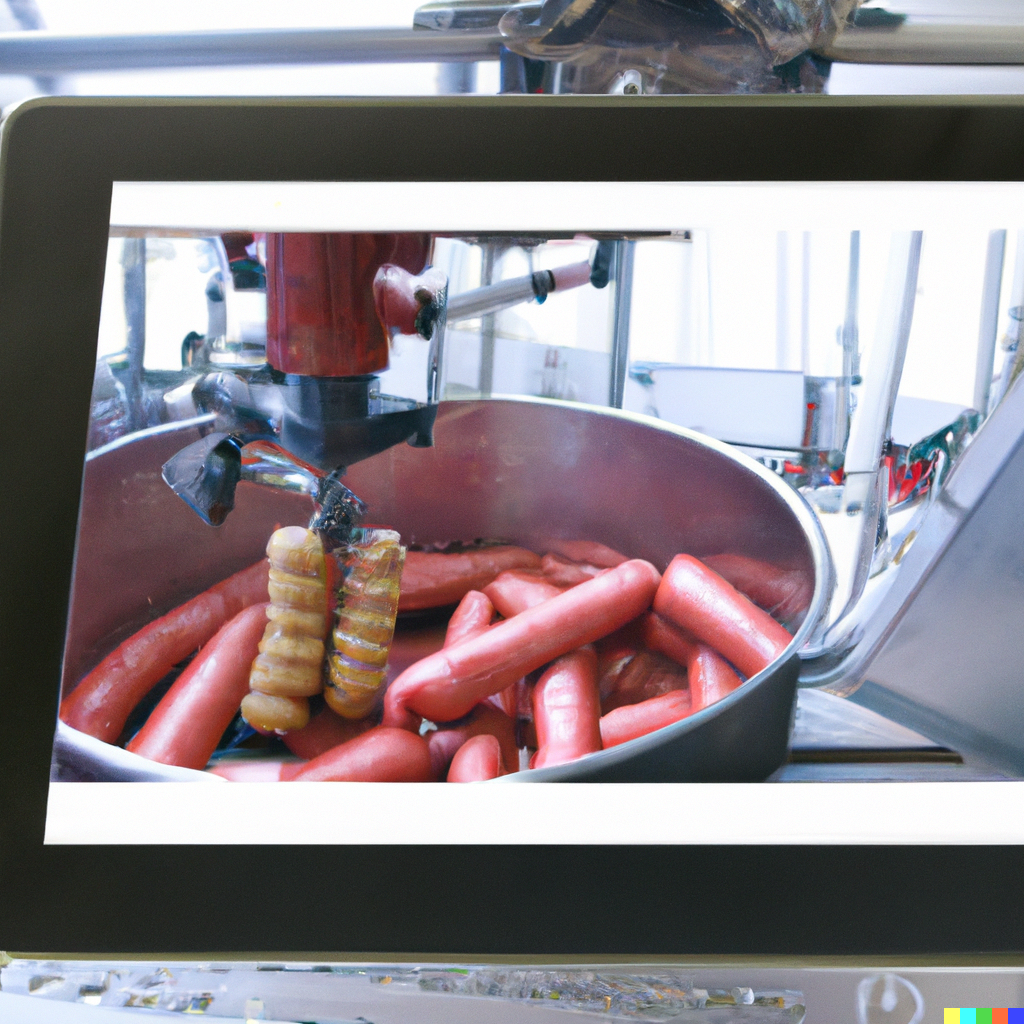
{"points": [[521, 470]]}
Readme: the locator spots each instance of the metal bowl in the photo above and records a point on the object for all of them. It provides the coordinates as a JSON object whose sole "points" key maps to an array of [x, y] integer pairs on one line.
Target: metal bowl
{"points": [[523, 470]]}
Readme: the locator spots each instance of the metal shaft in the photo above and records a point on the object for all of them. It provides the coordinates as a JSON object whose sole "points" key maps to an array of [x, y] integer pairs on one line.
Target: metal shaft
{"points": [[48, 53], [620, 328], [989, 324], [930, 43]]}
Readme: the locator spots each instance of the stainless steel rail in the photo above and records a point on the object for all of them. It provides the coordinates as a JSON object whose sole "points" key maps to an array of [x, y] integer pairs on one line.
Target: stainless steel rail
{"points": [[929, 43], [54, 53], [47, 53]]}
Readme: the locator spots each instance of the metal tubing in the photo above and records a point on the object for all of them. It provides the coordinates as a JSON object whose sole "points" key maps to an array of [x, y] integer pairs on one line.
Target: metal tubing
{"points": [[989, 324], [851, 346], [620, 331], [494, 297], [490, 298], [865, 492], [924, 43], [133, 259], [487, 323], [49, 53], [456, 79]]}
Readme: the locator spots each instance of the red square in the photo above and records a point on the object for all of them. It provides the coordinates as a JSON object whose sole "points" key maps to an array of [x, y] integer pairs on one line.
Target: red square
{"points": [[1000, 1016]]}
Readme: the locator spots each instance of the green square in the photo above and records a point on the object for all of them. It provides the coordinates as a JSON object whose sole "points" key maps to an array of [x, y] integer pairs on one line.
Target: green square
{"points": [[983, 1016]]}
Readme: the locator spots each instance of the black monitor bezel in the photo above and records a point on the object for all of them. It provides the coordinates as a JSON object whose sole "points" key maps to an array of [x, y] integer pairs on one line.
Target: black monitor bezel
{"points": [[58, 160]]}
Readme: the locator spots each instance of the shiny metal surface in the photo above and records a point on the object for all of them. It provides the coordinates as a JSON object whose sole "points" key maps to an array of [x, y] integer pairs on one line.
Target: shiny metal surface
{"points": [[929, 43], [945, 642], [33, 53], [523, 470]]}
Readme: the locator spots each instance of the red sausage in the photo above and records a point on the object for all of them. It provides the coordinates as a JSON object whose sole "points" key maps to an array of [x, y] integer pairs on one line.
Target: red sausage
{"points": [[783, 592], [484, 719], [661, 635], [448, 684], [633, 720], [516, 590], [567, 573], [647, 674], [711, 677], [471, 618], [693, 596], [432, 579], [477, 760], [380, 755], [323, 732], [186, 726], [101, 703], [589, 551], [567, 710]]}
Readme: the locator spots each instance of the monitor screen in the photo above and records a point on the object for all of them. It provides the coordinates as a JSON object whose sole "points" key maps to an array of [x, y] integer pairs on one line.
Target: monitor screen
{"points": [[716, 544], [637, 518]]}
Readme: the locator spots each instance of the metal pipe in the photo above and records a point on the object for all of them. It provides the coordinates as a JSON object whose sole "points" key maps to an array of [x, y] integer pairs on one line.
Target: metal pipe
{"points": [[620, 331], [455, 79], [929, 43], [54, 53], [851, 346], [1011, 342], [487, 323], [133, 260], [865, 492], [493, 297], [989, 324], [490, 298], [49, 53]]}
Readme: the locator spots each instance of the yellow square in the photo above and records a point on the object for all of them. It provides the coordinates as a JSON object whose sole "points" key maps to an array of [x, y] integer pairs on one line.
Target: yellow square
{"points": [[951, 1015]]}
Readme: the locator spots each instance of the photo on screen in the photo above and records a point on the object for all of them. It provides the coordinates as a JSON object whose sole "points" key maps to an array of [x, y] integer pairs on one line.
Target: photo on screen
{"points": [[637, 485]]}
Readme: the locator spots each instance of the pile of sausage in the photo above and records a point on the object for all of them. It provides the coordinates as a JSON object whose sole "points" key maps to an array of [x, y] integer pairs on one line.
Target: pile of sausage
{"points": [[544, 660]]}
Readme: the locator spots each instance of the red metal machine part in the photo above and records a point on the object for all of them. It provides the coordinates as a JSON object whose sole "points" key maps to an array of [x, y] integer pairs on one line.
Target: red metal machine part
{"points": [[322, 320]]}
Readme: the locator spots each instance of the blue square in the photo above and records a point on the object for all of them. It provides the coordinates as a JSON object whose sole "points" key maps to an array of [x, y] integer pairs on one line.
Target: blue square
{"points": [[1015, 1015]]}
